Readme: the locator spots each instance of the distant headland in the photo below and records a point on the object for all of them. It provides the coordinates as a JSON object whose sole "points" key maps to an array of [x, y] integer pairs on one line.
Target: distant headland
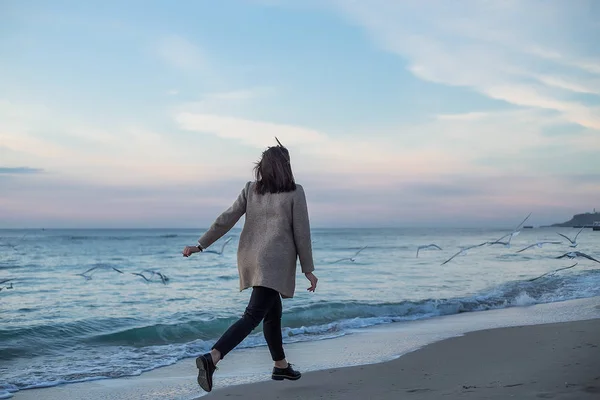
{"points": [[579, 220]]}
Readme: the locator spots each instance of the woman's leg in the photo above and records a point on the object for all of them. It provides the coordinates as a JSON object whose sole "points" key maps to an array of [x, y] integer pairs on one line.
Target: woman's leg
{"points": [[261, 301], [272, 332]]}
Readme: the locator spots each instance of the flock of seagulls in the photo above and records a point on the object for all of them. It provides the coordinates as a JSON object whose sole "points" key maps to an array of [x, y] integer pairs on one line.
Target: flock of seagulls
{"points": [[505, 241], [88, 274]]}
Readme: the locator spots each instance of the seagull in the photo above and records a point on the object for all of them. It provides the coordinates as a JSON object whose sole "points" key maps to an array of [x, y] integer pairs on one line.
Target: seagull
{"points": [[500, 242], [88, 277], [538, 244], [463, 251], [15, 245], [574, 241], [514, 233], [222, 248], [428, 246], [162, 277], [573, 254], [350, 258], [551, 272], [142, 275]]}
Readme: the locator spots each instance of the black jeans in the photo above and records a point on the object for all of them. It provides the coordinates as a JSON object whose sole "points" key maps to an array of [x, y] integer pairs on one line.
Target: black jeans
{"points": [[264, 305]]}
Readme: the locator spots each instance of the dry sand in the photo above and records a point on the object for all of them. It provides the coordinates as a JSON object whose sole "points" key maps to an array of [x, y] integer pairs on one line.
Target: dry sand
{"points": [[552, 361]]}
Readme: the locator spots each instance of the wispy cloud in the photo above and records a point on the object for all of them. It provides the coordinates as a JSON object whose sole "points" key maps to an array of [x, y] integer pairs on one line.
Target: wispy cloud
{"points": [[495, 49], [366, 162], [118, 153], [181, 53]]}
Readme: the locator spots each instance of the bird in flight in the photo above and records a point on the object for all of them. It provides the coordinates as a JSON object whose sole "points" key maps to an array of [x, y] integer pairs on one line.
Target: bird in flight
{"points": [[428, 246], [538, 244], [551, 272], [141, 274], [218, 251], [164, 279], [573, 254], [14, 246], [350, 258], [514, 233], [87, 275], [463, 251], [574, 241]]}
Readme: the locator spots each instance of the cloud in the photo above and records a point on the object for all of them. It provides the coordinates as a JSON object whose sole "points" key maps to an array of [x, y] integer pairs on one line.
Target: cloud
{"points": [[495, 49], [368, 160], [254, 133], [181, 53], [62, 143], [20, 170]]}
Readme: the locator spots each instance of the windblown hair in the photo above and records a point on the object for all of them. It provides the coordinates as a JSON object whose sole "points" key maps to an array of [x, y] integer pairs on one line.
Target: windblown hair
{"points": [[273, 172]]}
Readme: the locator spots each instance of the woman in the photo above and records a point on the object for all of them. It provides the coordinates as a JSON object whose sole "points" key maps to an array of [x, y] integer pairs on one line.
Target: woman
{"points": [[276, 233]]}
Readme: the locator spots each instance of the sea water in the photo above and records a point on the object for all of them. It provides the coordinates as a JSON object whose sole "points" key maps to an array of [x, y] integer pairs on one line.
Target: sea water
{"points": [[59, 327]]}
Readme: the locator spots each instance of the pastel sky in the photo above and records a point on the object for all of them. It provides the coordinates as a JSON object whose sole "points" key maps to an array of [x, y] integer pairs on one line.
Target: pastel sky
{"points": [[396, 113]]}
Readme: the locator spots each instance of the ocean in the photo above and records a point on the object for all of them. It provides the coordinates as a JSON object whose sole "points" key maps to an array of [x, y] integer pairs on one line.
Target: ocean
{"points": [[57, 327]]}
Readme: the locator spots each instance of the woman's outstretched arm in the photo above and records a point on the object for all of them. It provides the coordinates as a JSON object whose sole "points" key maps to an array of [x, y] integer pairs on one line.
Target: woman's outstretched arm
{"points": [[226, 220]]}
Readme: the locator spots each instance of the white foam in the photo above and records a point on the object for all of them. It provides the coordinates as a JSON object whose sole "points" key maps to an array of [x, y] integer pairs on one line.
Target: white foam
{"points": [[5, 394]]}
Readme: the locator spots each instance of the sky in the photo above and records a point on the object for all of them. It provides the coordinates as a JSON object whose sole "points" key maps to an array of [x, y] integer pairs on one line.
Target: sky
{"points": [[396, 113]]}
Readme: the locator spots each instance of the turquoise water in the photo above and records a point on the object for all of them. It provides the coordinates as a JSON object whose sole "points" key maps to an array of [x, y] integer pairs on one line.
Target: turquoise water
{"points": [[58, 327]]}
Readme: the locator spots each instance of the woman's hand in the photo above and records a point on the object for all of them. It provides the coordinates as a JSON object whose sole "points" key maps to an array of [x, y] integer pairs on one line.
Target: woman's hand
{"points": [[313, 281], [189, 250]]}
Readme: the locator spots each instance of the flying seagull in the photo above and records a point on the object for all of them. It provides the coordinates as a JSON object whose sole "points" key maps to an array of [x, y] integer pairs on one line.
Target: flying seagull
{"points": [[428, 246], [538, 244], [89, 276], [142, 275], [222, 248], [551, 272], [350, 258], [574, 241], [162, 276], [500, 242], [463, 251], [514, 233], [19, 241], [573, 254]]}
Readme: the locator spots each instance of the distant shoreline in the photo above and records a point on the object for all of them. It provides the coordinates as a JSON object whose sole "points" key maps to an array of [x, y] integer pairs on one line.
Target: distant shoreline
{"points": [[578, 220]]}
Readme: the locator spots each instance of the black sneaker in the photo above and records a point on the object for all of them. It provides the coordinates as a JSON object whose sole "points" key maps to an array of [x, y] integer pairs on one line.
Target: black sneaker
{"points": [[206, 368], [280, 374]]}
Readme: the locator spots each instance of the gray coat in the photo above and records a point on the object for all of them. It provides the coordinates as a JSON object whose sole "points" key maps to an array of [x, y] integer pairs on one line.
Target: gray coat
{"points": [[276, 233]]}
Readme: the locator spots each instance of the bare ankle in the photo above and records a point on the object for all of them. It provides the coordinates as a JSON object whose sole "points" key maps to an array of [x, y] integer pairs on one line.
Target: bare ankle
{"points": [[216, 356], [281, 363]]}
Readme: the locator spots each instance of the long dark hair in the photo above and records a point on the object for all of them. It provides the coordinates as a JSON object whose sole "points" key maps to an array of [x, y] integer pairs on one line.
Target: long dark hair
{"points": [[273, 172]]}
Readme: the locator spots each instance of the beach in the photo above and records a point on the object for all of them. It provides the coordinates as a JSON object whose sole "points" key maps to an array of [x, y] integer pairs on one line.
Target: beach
{"points": [[540, 351], [550, 361]]}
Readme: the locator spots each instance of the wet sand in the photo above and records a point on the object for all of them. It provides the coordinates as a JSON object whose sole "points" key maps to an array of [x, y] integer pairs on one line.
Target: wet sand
{"points": [[551, 361]]}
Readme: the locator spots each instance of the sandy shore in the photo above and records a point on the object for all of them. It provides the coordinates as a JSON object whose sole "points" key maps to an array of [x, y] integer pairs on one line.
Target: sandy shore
{"points": [[551, 361]]}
